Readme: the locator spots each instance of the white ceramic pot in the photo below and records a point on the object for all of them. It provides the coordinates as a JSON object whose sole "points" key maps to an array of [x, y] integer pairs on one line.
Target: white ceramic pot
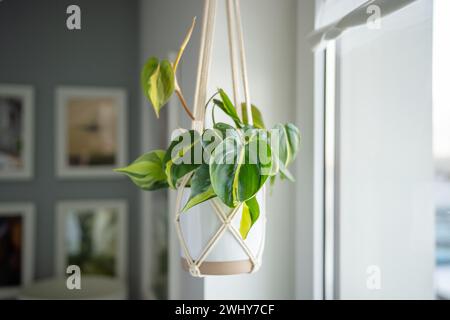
{"points": [[227, 256]]}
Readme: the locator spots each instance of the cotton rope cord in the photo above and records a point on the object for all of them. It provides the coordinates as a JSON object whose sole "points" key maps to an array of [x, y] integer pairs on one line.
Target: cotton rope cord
{"points": [[233, 58], [240, 33], [203, 68], [204, 64], [200, 62]]}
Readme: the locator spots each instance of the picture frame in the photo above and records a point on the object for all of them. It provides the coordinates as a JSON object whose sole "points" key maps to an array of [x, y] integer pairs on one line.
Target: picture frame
{"points": [[91, 131], [16, 132], [104, 237], [16, 218]]}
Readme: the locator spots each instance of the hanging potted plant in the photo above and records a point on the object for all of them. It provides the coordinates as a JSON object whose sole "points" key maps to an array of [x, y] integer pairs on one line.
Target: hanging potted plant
{"points": [[220, 172]]}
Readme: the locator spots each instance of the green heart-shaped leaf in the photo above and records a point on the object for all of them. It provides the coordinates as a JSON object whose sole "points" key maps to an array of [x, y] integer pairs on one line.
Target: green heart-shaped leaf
{"points": [[258, 121], [201, 189], [147, 71], [226, 130], [211, 138], [236, 169], [285, 141], [288, 142], [158, 82], [227, 106], [147, 171], [250, 214], [183, 156], [285, 174]]}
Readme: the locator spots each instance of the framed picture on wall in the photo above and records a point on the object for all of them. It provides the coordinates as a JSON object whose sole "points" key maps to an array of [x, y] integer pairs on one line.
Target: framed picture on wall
{"points": [[92, 235], [16, 132], [16, 247], [91, 131]]}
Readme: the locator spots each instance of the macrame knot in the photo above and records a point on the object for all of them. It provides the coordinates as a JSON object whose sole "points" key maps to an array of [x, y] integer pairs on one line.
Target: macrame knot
{"points": [[197, 124], [256, 266], [194, 270]]}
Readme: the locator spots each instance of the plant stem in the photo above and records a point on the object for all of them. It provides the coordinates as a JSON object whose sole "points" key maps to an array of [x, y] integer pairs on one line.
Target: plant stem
{"points": [[183, 102], [213, 116], [214, 107], [210, 99]]}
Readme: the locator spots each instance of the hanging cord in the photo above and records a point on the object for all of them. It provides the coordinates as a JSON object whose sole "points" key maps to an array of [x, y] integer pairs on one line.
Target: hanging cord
{"points": [[233, 58], [204, 63], [200, 60], [234, 19], [237, 12]]}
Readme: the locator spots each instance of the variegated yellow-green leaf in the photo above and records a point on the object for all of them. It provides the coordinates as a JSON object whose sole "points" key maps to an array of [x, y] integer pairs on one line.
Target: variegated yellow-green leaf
{"points": [[285, 174], [237, 171], [183, 156], [147, 171], [211, 138], [289, 141], [227, 106], [258, 121], [201, 189], [250, 213], [285, 141], [147, 71], [158, 82]]}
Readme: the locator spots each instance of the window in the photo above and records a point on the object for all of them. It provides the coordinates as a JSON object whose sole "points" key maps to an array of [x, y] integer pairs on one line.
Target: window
{"points": [[379, 212]]}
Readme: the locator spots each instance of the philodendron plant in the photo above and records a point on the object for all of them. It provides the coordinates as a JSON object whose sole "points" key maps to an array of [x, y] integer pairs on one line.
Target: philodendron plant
{"points": [[228, 162]]}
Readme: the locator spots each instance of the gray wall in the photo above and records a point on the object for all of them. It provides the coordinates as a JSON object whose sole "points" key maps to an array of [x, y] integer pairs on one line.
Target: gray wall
{"points": [[37, 49]]}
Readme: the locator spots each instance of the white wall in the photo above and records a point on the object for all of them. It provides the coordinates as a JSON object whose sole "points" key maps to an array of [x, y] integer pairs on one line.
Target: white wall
{"points": [[385, 161]]}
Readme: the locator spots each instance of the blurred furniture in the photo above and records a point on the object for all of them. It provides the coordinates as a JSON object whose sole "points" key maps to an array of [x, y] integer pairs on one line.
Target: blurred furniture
{"points": [[92, 288], [442, 274], [442, 282]]}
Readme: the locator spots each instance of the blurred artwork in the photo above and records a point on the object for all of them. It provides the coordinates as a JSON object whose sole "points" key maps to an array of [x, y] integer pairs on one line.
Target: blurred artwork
{"points": [[92, 132], [11, 126], [16, 247], [16, 131], [11, 229], [93, 239]]}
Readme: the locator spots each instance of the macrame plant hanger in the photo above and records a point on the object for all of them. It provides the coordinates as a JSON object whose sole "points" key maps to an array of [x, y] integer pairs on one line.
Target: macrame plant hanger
{"points": [[204, 63]]}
